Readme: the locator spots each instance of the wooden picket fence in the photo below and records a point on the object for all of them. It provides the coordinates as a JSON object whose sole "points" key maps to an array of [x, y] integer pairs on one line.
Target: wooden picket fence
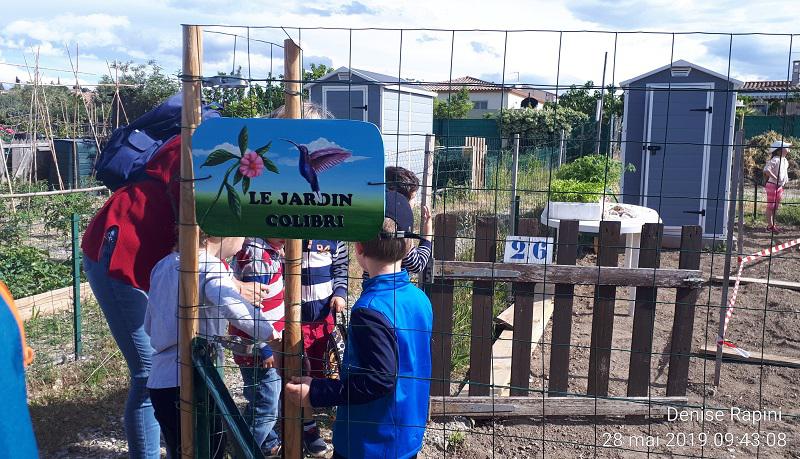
{"points": [[606, 277]]}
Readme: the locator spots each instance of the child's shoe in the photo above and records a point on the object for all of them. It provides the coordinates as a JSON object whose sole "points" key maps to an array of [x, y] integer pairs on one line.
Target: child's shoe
{"points": [[314, 445]]}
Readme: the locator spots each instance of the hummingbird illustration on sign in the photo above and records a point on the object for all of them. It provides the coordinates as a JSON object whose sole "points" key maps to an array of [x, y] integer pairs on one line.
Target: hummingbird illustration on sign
{"points": [[312, 163]]}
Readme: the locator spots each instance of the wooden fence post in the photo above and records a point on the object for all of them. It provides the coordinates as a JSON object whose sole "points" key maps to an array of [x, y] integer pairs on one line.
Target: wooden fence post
{"points": [[562, 312], [683, 324], [603, 314], [645, 314], [523, 322], [292, 335], [482, 330], [188, 232], [441, 295]]}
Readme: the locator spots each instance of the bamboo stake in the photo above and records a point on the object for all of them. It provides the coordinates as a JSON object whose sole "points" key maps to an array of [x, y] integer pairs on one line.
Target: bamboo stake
{"points": [[188, 233], [48, 132], [292, 337], [80, 95]]}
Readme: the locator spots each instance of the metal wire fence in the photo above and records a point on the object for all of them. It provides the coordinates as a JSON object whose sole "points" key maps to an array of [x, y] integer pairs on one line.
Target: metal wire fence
{"points": [[607, 348]]}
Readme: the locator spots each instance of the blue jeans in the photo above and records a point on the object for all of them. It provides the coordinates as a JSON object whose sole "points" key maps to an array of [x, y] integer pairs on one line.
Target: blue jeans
{"points": [[262, 389], [124, 307]]}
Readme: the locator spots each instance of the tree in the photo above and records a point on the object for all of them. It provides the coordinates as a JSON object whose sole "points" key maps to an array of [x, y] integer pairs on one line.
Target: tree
{"points": [[149, 87], [458, 106], [584, 99], [317, 71]]}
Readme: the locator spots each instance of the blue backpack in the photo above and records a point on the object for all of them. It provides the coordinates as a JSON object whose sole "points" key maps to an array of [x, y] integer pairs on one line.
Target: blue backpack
{"points": [[129, 149]]}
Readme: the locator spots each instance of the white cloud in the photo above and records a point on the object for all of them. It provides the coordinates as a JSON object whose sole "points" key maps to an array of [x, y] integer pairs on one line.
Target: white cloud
{"points": [[321, 143], [150, 29]]}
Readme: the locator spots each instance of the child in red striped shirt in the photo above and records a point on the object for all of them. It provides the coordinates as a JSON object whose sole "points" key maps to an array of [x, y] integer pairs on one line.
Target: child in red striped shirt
{"points": [[260, 260]]}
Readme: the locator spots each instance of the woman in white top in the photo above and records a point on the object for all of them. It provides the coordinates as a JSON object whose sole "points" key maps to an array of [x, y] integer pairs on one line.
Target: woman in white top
{"points": [[776, 172]]}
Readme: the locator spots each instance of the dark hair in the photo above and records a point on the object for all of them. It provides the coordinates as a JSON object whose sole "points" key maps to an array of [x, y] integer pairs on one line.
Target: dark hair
{"points": [[401, 180], [387, 250]]}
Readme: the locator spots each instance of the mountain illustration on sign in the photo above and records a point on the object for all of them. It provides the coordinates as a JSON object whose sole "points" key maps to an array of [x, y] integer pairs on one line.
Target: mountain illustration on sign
{"points": [[312, 163], [248, 164]]}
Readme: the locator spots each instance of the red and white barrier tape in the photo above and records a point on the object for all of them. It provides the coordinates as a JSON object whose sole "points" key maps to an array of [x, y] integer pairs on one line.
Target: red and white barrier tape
{"points": [[732, 300]]}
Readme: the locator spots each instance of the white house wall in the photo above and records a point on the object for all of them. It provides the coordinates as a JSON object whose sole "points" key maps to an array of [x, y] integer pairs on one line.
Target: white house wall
{"points": [[494, 99]]}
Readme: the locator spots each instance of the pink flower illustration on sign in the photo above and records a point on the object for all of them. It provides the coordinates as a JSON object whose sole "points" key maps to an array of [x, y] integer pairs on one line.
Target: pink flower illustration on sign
{"points": [[251, 165], [248, 164]]}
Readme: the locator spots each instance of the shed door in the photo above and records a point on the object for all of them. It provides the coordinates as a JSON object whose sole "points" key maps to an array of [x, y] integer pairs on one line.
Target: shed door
{"points": [[676, 153], [346, 103]]}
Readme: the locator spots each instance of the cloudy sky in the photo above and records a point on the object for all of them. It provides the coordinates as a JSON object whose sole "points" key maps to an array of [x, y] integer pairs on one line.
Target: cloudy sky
{"points": [[533, 52]]}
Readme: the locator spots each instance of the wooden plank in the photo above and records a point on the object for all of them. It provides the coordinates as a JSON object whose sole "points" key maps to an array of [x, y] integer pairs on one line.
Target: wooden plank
{"points": [[603, 313], [754, 280], [51, 302], [564, 274], [441, 296], [482, 330], [502, 349], [644, 314], [488, 407], [683, 323], [523, 321], [501, 363], [756, 358], [505, 320], [567, 254]]}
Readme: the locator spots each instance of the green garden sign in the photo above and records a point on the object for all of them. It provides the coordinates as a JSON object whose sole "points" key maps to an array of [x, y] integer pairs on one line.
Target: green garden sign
{"points": [[298, 179]]}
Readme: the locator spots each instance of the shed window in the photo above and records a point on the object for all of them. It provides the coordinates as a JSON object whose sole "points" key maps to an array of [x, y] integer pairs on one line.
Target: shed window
{"points": [[480, 105]]}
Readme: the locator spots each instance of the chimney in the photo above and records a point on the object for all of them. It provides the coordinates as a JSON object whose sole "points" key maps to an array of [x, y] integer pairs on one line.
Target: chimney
{"points": [[795, 73]]}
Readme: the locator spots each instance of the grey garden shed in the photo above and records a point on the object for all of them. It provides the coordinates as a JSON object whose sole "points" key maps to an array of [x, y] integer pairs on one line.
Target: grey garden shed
{"points": [[401, 110], [678, 124]]}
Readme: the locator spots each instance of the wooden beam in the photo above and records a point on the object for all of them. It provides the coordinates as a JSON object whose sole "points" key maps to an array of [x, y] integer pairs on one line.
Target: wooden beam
{"points": [[645, 314], [489, 407], [603, 314], [480, 349], [524, 299], [51, 302], [441, 296], [709, 351], [502, 349], [558, 382], [683, 320], [754, 280], [565, 274]]}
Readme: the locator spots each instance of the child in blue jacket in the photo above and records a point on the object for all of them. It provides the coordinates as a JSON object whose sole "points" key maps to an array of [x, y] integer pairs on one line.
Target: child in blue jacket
{"points": [[382, 396]]}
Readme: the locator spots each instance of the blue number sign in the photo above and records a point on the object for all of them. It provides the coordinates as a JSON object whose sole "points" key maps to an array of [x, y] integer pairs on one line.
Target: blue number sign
{"points": [[528, 249]]}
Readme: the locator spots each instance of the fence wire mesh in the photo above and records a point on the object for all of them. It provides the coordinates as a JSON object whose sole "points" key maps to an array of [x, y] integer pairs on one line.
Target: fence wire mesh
{"points": [[580, 356]]}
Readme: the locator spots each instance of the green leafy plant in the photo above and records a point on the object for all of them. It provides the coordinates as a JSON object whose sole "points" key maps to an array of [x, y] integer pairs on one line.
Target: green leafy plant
{"points": [[248, 164], [594, 169], [569, 190], [539, 124], [457, 106], [28, 270]]}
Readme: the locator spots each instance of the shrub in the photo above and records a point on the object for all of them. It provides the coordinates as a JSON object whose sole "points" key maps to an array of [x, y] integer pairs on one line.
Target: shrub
{"points": [[570, 190], [539, 124], [757, 153], [28, 270], [594, 169]]}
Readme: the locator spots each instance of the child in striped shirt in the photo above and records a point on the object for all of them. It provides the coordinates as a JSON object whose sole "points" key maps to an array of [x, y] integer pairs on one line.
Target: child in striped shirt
{"points": [[406, 183], [323, 293], [260, 260]]}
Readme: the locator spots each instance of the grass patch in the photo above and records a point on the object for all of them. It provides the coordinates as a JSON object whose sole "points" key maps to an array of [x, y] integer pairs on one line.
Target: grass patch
{"points": [[67, 397]]}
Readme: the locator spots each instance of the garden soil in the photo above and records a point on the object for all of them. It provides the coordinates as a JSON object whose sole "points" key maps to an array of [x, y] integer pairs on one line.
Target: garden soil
{"points": [[766, 320]]}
